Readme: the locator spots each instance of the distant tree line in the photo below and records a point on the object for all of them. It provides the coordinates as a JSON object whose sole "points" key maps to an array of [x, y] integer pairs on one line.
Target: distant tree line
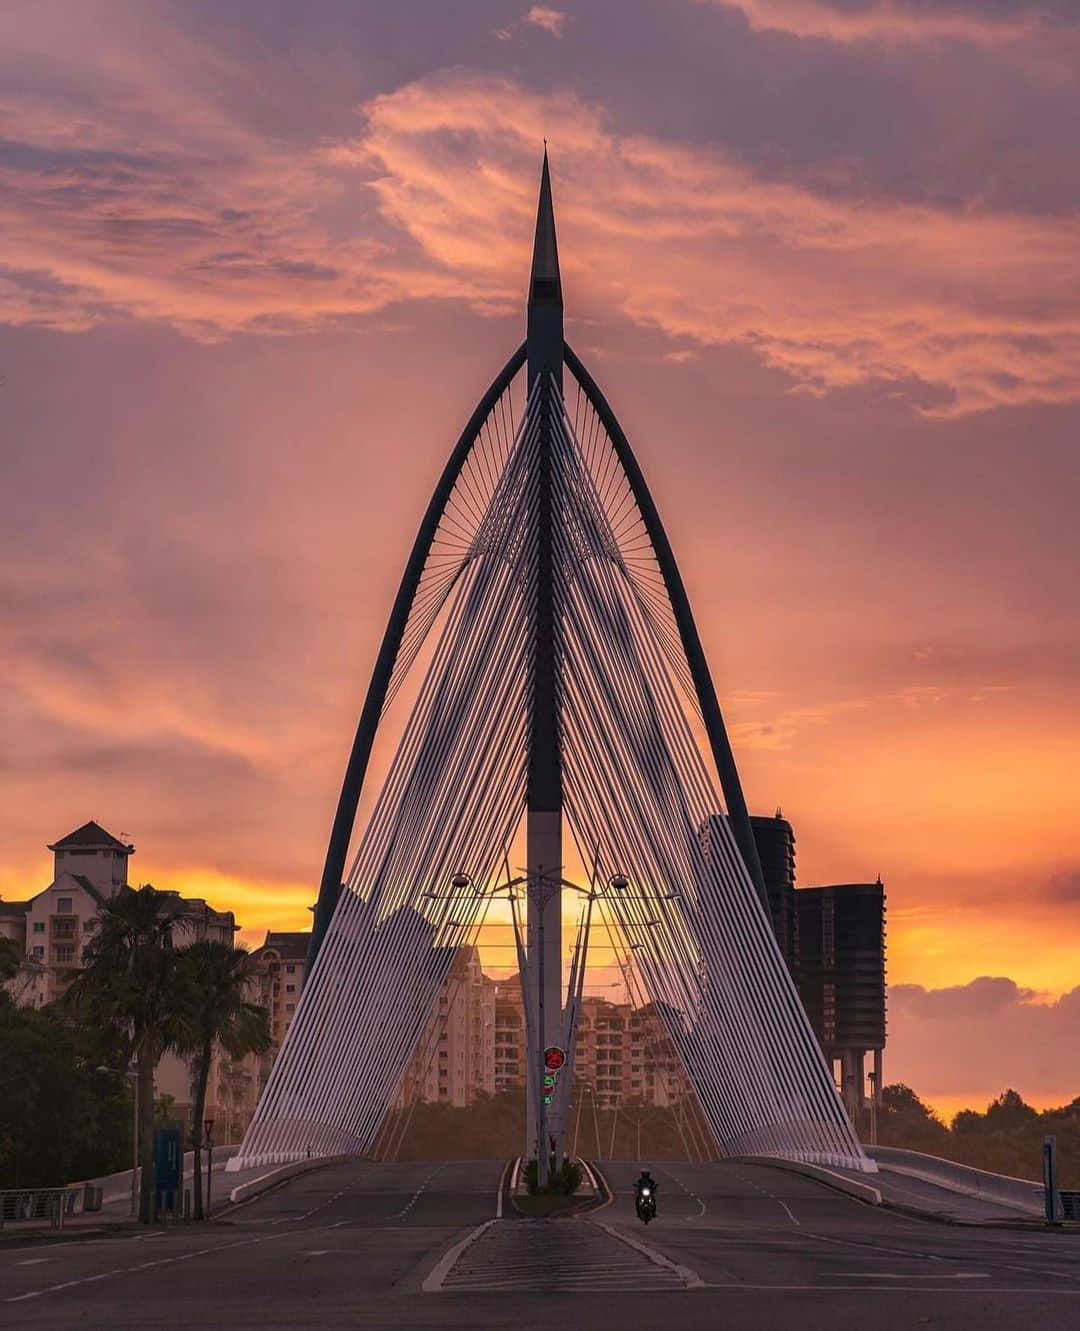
{"points": [[65, 1096], [494, 1125], [1005, 1138]]}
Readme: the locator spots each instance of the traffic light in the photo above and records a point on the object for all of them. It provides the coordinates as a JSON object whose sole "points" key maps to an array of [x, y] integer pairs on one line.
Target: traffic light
{"points": [[554, 1059]]}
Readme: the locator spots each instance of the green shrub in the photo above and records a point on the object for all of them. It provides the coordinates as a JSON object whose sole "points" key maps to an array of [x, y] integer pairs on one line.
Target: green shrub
{"points": [[564, 1182]]}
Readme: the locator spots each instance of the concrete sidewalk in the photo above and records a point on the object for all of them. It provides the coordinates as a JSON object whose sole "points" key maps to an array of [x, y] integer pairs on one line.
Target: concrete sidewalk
{"points": [[115, 1214]]}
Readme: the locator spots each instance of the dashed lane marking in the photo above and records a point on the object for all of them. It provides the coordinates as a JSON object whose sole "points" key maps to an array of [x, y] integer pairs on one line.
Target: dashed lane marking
{"points": [[687, 1220], [906, 1275], [403, 1213], [771, 1196]]}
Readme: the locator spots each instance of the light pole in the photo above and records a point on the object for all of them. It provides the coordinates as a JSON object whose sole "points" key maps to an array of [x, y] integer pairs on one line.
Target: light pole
{"points": [[132, 1074], [873, 1108], [208, 1128]]}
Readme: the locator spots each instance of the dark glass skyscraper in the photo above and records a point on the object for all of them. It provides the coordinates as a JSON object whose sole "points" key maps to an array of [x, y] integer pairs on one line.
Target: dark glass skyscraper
{"points": [[841, 977], [776, 850]]}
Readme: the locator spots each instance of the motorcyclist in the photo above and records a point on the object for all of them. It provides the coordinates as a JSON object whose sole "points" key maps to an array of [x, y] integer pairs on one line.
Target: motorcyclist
{"points": [[646, 1180], [645, 1183]]}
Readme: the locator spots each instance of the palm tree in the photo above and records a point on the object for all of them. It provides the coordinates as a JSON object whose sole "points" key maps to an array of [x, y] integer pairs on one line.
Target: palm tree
{"points": [[130, 985], [217, 977]]}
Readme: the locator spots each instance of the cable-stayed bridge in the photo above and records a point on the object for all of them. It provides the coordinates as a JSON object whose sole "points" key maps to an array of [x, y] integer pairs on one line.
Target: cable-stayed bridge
{"points": [[561, 680]]}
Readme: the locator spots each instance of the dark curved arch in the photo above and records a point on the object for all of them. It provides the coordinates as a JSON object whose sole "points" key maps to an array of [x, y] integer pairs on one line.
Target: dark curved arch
{"points": [[680, 604], [353, 784]]}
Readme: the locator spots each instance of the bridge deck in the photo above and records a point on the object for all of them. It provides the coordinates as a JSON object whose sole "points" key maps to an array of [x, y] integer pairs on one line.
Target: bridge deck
{"points": [[352, 1245]]}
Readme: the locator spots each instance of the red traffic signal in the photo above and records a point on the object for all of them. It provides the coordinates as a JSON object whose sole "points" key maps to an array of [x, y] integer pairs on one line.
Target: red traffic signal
{"points": [[554, 1058]]}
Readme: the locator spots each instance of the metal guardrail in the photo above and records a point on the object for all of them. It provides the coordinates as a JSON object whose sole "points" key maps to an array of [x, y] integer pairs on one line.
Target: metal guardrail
{"points": [[52, 1204]]}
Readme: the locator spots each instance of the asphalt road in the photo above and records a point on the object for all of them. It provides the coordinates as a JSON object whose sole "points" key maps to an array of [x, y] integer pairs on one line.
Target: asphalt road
{"points": [[413, 1245]]}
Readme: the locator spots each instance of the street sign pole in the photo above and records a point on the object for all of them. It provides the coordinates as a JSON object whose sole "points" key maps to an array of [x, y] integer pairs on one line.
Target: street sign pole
{"points": [[1050, 1179], [209, 1126]]}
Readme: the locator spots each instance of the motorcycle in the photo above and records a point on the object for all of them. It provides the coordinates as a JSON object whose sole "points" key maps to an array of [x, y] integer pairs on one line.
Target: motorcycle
{"points": [[646, 1205]]}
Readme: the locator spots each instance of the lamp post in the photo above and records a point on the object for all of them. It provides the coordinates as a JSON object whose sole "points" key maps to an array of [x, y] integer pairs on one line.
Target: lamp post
{"points": [[132, 1074], [873, 1108], [208, 1128]]}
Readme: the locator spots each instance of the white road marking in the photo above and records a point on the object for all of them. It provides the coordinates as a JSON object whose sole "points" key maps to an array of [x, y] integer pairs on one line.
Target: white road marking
{"points": [[881, 1290], [400, 1215], [435, 1277], [687, 1220], [33, 1261], [772, 1197], [690, 1278], [146, 1266], [499, 1188], [319, 1252], [906, 1275]]}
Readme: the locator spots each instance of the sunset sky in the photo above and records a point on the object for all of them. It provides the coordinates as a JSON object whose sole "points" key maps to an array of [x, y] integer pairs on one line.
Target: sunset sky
{"points": [[261, 258]]}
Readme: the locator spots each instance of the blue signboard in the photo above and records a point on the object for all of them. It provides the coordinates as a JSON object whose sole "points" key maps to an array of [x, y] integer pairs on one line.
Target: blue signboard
{"points": [[168, 1167]]}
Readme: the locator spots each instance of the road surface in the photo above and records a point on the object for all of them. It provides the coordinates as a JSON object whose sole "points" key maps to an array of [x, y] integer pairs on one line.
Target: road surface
{"points": [[422, 1245]]}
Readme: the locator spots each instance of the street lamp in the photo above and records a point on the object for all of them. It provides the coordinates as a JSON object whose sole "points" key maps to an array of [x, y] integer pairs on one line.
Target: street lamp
{"points": [[132, 1074], [208, 1128]]}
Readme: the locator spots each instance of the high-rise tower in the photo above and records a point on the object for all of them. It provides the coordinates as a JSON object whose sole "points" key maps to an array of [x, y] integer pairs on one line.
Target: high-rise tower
{"points": [[544, 356]]}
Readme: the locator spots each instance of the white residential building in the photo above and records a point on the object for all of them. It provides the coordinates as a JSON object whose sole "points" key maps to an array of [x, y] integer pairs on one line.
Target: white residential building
{"points": [[53, 927]]}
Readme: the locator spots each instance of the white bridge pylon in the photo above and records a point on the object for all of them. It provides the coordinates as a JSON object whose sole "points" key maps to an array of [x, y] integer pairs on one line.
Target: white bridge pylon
{"points": [[638, 798]]}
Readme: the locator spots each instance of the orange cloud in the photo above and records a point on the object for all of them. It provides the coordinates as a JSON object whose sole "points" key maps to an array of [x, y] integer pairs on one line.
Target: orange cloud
{"points": [[961, 309], [889, 20], [551, 20]]}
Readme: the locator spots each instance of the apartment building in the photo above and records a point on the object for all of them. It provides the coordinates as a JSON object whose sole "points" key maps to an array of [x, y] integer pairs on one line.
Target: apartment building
{"points": [[283, 958], [54, 926]]}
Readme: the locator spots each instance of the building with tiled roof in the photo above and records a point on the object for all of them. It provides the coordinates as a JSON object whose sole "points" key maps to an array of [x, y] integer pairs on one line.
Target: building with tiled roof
{"points": [[284, 956]]}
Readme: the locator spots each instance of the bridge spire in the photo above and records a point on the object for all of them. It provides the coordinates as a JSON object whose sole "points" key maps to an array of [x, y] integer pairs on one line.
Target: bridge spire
{"points": [[545, 305], [544, 795]]}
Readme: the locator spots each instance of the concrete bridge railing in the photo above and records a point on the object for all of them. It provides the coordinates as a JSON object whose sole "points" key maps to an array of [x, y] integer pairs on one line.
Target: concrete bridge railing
{"points": [[1020, 1194]]}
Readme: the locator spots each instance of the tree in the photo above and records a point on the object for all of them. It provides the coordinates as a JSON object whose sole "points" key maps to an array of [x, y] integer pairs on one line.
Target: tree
{"points": [[60, 1117], [10, 958], [132, 986], [904, 1120], [217, 1015], [1009, 1112]]}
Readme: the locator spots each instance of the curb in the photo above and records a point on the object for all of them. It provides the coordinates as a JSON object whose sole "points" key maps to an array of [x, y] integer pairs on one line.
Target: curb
{"points": [[690, 1279], [433, 1281], [244, 1192], [605, 1193]]}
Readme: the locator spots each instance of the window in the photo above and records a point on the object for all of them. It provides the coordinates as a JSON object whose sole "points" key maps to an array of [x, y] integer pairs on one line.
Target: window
{"points": [[64, 952], [39, 952], [290, 988], [39, 926], [63, 906], [290, 970], [290, 1007]]}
